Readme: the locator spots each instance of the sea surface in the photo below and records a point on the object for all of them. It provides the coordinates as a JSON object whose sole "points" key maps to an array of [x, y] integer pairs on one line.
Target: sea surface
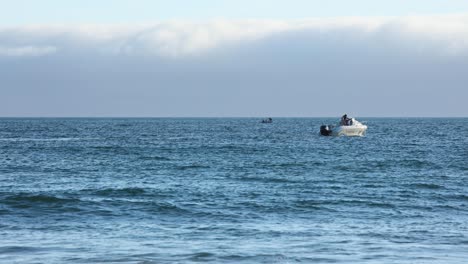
{"points": [[176, 190]]}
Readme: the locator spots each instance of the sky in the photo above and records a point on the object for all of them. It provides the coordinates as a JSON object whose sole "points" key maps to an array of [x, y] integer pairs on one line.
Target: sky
{"points": [[233, 58]]}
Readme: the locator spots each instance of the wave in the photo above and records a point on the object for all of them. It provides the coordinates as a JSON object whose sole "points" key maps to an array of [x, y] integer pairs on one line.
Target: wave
{"points": [[190, 167], [373, 185], [165, 208], [462, 197], [41, 202], [154, 158], [266, 258], [106, 202], [236, 148], [349, 203], [120, 192], [311, 205], [266, 179], [417, 164], [431, 186], [283, 164], [37, 199], [202, 256], [387, 164], [323, 204], [123, 125], [19, 249], [43, 139], [113, 150]]}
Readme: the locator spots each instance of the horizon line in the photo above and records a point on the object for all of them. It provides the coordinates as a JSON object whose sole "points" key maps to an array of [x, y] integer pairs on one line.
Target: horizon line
{"points": [[206, 117]]}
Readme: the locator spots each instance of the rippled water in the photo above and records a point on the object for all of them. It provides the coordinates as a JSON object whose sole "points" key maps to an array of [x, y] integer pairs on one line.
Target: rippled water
{"points": [[232, 190]]}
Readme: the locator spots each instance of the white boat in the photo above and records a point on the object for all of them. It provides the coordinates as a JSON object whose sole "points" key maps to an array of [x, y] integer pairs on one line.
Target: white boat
{"points": [[351, 128]]}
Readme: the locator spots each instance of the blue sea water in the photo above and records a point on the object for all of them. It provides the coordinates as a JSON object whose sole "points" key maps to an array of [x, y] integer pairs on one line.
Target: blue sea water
{"points": [[232, 191]]}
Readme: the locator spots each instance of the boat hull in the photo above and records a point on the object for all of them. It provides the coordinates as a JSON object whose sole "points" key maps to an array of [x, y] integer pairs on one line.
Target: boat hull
{"points": [[350, 131], [352, 128]]}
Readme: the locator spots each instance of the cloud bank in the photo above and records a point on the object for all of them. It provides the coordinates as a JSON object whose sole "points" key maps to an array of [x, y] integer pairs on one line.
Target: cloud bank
{"points": [[444, 34], [380, 66]]}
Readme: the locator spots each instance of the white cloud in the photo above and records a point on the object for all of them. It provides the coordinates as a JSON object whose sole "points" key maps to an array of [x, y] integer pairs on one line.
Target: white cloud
{"points": [[443, 34], [26, 51]]}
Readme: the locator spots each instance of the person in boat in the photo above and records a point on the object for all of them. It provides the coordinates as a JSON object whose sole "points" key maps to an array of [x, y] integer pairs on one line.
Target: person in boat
{"points": [[344, 120]]}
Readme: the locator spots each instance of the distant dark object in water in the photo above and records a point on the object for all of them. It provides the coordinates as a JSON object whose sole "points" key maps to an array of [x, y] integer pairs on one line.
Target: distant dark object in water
{"points": [[325, 130], [267, 120]]}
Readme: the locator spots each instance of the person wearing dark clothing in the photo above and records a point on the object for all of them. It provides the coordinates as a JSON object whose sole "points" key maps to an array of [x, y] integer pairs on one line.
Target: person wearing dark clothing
{"points": [[344, 120]]}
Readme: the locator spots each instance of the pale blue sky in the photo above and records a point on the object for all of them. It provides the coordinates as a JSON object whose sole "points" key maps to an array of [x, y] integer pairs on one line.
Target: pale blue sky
{"points": [[130, 11]]}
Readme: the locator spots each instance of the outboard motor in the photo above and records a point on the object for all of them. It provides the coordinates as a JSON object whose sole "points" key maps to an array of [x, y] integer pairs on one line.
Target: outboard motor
{"points": [[325, 130]]}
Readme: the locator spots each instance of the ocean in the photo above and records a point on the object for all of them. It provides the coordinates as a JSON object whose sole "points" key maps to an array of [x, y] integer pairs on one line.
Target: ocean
{"points": [[232, 190]]}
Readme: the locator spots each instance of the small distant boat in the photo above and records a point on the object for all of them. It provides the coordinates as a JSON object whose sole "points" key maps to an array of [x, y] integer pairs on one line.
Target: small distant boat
{"points": [[349, 127], [267, 120]]}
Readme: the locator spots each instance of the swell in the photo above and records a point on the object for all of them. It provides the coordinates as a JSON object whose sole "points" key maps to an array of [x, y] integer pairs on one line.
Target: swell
{"points": [[21, 249], [30, 204], [43, 139], [149, 158], [25, 199], [111, 192], [346, 203], [192, 167], [266, 179], [430, 186], [94, 202]]}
